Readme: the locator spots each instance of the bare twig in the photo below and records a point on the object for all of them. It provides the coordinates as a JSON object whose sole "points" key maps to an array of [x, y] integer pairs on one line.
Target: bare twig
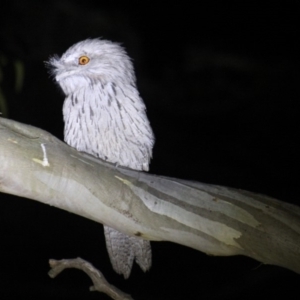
{"points": [[100, 284]]}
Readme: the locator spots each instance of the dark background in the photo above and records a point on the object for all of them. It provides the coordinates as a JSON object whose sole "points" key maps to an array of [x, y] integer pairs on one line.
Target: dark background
{"points": [[221, 86]]}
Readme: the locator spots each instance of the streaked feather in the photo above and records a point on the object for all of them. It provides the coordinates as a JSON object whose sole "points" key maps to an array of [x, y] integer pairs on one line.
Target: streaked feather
{"points": [[105, 117]]}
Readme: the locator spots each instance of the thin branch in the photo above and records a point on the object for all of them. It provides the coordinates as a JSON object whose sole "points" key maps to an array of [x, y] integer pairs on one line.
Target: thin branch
{"points": [[100, 284]]}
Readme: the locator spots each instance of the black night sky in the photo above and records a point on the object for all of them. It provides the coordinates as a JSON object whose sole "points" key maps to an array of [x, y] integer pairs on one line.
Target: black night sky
{"points": [[221, 86]]}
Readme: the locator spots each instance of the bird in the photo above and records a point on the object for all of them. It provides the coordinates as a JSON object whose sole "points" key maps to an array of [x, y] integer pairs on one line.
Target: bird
{"points": [[105, 116]]}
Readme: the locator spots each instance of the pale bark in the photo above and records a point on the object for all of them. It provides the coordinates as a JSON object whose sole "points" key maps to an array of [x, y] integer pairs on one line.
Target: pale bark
{"points": [[213, 219], [100, 284]]}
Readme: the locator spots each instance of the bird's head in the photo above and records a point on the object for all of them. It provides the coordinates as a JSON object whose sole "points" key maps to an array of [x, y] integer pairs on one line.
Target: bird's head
{"points": [[89, 62]]}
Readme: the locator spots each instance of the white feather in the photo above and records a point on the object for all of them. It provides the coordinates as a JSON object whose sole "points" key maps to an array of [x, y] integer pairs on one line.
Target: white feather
{"points": [[103, 112], [105, 116]]}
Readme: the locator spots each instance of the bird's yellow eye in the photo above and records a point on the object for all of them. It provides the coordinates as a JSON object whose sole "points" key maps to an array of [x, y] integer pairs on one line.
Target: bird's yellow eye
{"points": [[83, 60]]}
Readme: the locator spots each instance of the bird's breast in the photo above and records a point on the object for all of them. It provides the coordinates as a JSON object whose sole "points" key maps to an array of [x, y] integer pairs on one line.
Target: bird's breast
{"points": [[101, 129]]}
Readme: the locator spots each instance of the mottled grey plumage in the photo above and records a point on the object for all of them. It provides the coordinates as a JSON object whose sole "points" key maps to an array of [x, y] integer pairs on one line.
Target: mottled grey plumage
{"points": [[105, 116]]}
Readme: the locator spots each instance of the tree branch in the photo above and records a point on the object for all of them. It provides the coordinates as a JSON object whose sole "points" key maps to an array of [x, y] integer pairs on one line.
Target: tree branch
{"points": [[100, 284], [213, 219]]}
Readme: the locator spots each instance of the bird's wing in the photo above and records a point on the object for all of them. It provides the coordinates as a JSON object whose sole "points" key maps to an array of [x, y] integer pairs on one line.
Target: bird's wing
{"points": [[124, 249]]}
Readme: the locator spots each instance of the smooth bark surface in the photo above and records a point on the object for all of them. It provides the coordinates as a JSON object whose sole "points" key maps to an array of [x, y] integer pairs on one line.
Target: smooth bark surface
{"points": [[213, 219]]}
